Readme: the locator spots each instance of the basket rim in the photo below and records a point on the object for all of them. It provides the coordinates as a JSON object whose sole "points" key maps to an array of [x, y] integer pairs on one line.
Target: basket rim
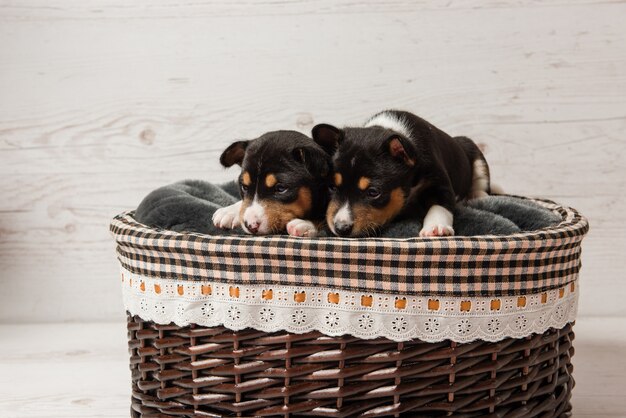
{"points": [[487, 265], [573, 224]]}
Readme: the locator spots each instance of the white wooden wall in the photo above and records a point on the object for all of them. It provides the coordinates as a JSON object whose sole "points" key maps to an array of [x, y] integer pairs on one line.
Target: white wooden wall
{"points": [[102, 101]]}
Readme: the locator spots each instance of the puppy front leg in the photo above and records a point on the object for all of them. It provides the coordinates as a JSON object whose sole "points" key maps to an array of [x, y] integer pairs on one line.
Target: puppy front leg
{"points": [[301, 228], [439, 218], [437, 222], [228, 216]]}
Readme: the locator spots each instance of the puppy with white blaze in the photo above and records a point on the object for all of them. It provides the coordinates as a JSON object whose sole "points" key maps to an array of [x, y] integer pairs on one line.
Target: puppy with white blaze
{"points": [[399, 166], [283, 185]]}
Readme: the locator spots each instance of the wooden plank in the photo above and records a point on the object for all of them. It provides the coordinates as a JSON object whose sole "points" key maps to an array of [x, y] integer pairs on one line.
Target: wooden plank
{"points": [[202, 9], [103, 101], [64, 370]]}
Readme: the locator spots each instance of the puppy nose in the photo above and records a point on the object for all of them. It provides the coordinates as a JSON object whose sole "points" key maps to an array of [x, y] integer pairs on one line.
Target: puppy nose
{"points": [[343, 228], [252, 227]]}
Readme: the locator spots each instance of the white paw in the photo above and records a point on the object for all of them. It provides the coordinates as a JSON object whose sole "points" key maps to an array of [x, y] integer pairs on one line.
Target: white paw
{"points": [[437, 222], [227, 217], [301, 228], [437, 231]]}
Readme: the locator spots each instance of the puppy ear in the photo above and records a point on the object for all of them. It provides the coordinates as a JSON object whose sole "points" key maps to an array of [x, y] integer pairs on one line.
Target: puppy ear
{"points": [[327, 137], [234, 153], [401, 149], [314, 158]]}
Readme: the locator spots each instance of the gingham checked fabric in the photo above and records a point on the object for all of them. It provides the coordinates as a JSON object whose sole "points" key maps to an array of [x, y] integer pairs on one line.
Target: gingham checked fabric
{"points": [[451, 266]]}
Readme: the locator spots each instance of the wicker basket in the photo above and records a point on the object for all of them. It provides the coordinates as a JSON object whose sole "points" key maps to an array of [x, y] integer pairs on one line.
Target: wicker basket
{"points": [[274, 326]]}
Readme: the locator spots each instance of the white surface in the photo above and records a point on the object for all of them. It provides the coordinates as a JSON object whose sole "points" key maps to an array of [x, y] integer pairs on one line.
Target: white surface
{"points": [[103, 101], [72, 370]]}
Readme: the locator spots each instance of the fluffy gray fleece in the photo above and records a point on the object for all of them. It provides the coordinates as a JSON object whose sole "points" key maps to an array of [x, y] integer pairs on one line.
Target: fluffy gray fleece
{"points": [[189, 205]]}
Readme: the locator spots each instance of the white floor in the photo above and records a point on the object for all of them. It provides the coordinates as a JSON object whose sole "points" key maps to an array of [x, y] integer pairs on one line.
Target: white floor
{"points": [[72, 370]]}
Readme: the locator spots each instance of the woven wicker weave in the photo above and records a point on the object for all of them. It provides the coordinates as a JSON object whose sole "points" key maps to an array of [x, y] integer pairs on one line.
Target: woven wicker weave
{"points": [[214, 372]]}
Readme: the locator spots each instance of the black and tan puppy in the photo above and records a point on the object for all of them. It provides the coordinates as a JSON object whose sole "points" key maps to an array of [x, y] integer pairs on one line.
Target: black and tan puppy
{"points": [[399, 165], [283, 184]]}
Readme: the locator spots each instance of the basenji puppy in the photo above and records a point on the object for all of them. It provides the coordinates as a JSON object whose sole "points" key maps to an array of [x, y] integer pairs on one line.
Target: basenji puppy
{"points": [[397, 166], [283, 184]]}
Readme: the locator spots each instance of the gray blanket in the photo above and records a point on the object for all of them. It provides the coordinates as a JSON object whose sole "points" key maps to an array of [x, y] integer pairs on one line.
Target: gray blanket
{"points": [[188, 206]]}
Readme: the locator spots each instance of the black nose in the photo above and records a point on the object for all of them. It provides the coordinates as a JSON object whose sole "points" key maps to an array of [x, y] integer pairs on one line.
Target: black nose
{"points": [[343, 228]]}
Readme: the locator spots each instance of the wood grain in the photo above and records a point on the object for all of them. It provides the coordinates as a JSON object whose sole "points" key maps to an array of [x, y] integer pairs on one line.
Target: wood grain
{"points": [[80, 371], [103, 101]]}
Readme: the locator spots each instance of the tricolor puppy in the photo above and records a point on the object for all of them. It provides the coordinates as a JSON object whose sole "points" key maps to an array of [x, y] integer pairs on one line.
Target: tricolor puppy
{"points": [[283, 184], [399, 165]]}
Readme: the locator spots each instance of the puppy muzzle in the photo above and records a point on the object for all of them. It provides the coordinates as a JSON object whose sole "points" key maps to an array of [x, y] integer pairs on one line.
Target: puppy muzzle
{"points": [[343, 229]]}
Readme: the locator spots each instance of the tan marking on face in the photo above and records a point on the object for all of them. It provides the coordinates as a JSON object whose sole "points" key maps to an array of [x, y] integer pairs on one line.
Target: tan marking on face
{"points": [[245, 178], [364, 183], [338, 179], [368, 218], [270, 180], [279, 214], [331, 211]]}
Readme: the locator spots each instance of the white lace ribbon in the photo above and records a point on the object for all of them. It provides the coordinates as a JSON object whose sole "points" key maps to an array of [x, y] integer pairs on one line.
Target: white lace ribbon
{"points": [[337, 312]]}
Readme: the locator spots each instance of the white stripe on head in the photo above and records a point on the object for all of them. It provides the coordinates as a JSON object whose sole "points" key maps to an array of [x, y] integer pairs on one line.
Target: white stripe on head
{"points": [[255, 213], [343, 215], [391, 121]]}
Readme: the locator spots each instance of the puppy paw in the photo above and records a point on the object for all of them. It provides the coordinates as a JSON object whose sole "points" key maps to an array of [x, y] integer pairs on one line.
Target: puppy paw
{"points": [[301, 228], [437, 231], [227, 217]]}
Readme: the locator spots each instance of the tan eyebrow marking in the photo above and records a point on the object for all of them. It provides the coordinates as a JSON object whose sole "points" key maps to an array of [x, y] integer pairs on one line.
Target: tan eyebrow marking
{"points": [[338, 179], [364, 183], [270, 180], [245, 178]]}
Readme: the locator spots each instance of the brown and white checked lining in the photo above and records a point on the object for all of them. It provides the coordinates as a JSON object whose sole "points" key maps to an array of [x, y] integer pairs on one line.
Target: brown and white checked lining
{"points": [[486, 265]]}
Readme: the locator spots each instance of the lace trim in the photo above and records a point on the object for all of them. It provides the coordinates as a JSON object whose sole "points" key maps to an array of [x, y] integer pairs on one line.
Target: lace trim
{"points": [[333, 312]]}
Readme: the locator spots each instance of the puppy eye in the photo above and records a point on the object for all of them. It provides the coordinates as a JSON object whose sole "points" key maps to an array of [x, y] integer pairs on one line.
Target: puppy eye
{"points": [[332, 188], [279, 188], [244, 188], [373, 193]]}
